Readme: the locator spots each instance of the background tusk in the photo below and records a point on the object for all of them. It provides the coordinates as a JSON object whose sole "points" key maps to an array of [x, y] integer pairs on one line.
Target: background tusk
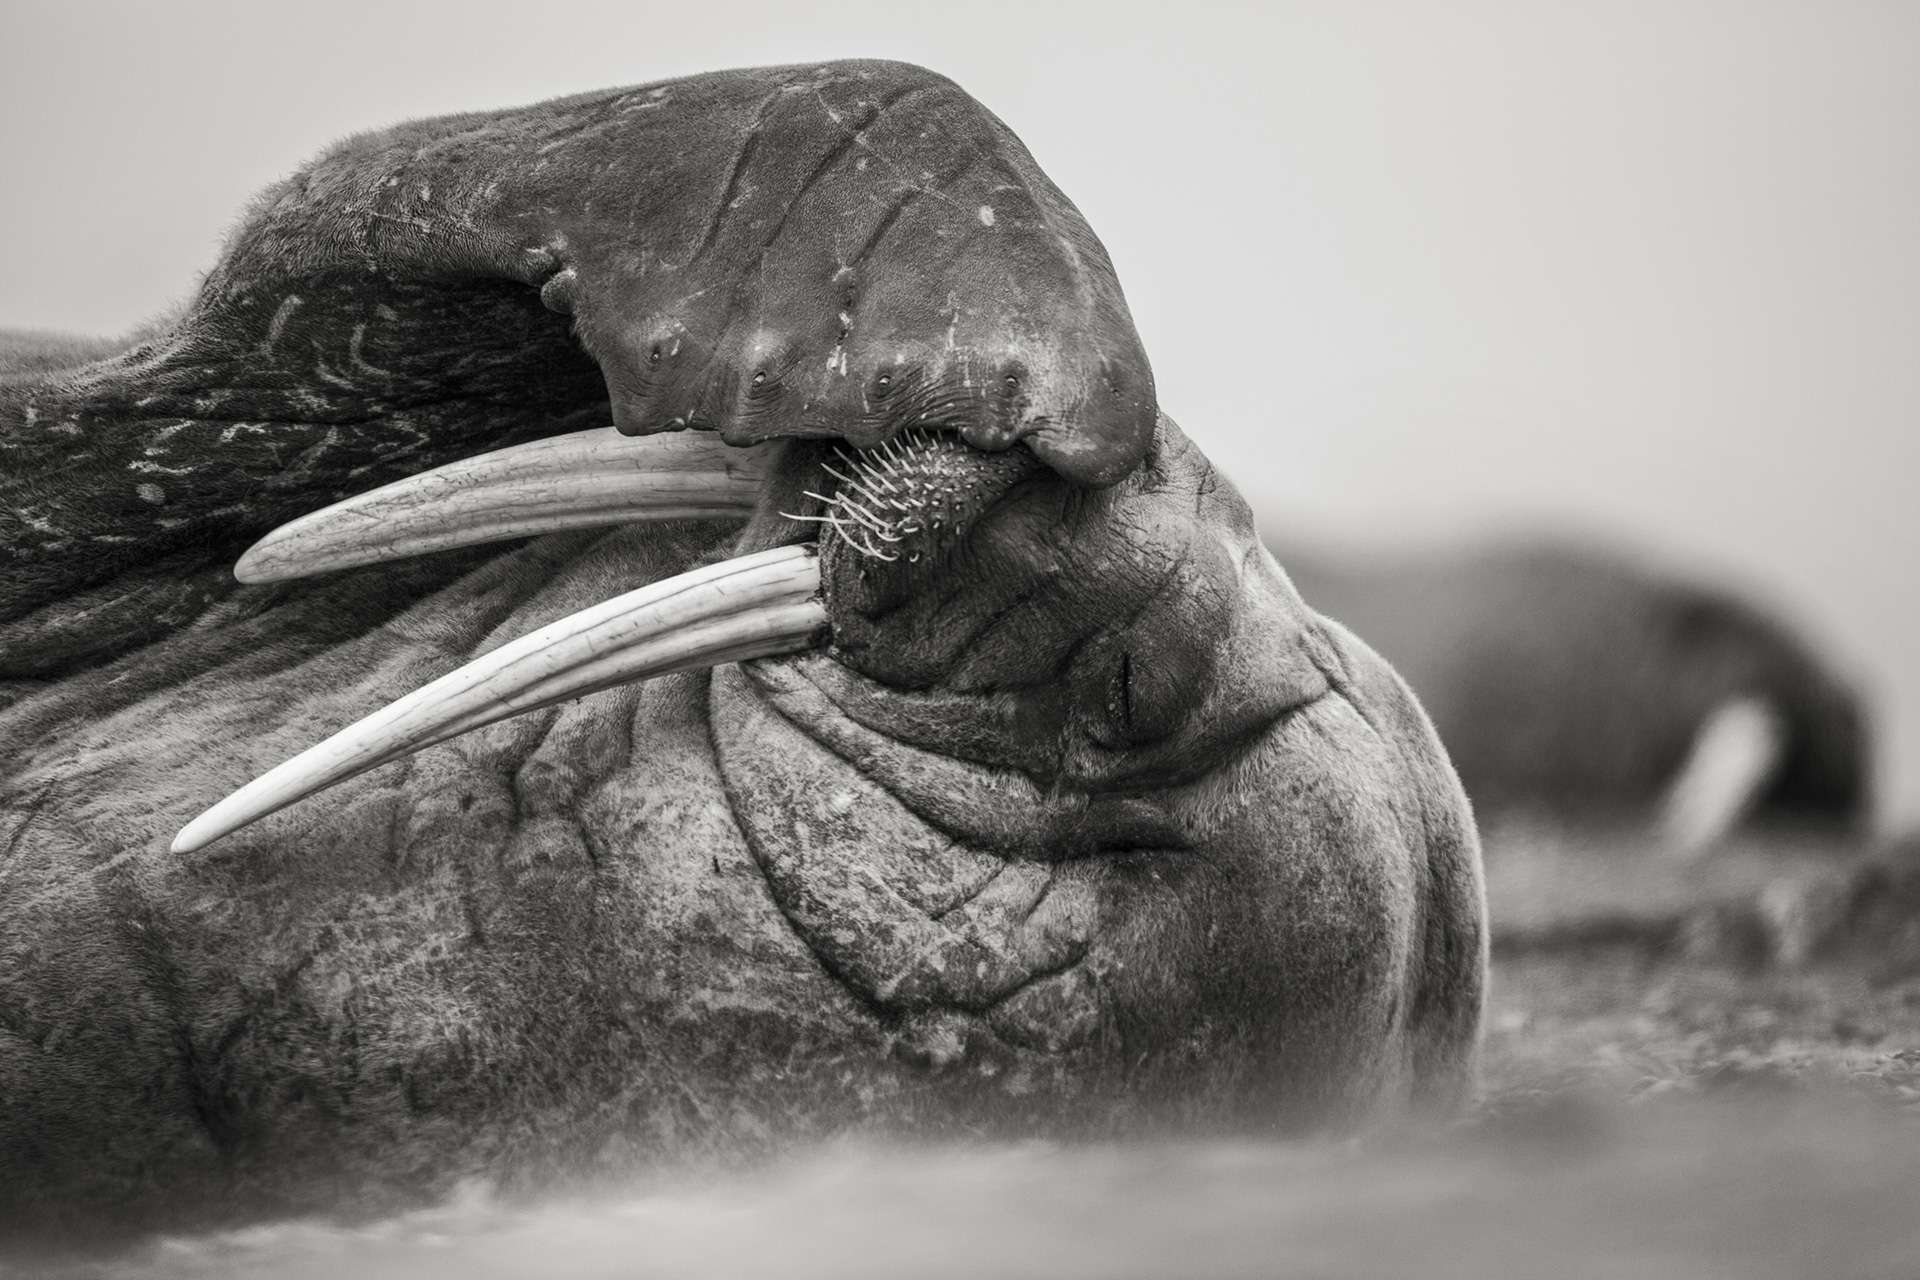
{"points": [[576, 481], [749, 607], [1736, 753]]}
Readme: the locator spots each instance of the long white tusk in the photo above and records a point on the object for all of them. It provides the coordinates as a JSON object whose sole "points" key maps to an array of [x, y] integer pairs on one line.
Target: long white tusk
{"points": [[1736, 752], [577, 481], [748, 607]]}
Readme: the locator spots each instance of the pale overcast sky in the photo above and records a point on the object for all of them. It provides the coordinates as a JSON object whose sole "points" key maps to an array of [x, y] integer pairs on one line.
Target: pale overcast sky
{"points": [[1408, 271]]}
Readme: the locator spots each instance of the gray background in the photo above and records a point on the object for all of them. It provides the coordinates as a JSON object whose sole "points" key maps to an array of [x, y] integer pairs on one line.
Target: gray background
{"points": [[1410, 272]]}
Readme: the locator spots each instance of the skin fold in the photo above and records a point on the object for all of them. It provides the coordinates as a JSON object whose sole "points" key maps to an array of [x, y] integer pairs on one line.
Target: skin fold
{"points": [[1080, 822]]}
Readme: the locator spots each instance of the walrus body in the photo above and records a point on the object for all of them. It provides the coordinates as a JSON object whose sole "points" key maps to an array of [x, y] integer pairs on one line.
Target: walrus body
{"points": [[1071, 818]]}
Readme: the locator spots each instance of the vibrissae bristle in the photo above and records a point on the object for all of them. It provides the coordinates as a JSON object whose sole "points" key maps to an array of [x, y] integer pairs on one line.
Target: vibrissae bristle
{"points": [[885, 495]]}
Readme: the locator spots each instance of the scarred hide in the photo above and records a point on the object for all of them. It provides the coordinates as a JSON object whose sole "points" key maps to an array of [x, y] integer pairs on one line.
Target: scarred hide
{"points": [[1079, 822]]}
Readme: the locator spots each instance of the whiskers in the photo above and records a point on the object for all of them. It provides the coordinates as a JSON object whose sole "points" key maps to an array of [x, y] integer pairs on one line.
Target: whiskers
{"points": [[887, 494]]}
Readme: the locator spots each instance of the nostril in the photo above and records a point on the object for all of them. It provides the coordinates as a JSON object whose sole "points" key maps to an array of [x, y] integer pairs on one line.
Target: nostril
{"points": [[762, 390]]}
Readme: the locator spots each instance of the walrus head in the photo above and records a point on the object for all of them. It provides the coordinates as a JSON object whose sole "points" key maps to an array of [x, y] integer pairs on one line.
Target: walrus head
{"points": [[986, 765], [1090, 640]]}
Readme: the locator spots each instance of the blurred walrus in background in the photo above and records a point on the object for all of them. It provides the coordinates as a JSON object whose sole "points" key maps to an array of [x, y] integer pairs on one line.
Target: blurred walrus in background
{"points": [[1578, 684]]}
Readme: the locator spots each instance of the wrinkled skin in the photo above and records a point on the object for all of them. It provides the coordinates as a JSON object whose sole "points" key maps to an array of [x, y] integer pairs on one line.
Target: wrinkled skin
{"points": [[1573, 682], [1083, 821]]}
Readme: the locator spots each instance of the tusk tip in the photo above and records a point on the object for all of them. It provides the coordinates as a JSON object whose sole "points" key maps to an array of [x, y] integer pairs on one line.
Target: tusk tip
{"points": [[755, 605], [257, 565], [196, 835]]}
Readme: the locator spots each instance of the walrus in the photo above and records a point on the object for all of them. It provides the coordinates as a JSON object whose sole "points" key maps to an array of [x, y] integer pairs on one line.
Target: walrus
{"points": [[1584, 683], [730, 651]]}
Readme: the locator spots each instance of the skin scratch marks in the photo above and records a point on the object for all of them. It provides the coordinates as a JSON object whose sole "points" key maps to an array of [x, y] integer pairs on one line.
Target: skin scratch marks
{"points": [[310, 457], [730, 193], [163, 435], [275, 327], [920, 183], [906, 196], [874, 113], [826, 164], [328, 376], [355, 353]]}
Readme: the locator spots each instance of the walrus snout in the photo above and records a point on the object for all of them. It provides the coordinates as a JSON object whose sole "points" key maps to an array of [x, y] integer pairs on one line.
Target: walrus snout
{"points": [[1087, 414], [870, 251]]}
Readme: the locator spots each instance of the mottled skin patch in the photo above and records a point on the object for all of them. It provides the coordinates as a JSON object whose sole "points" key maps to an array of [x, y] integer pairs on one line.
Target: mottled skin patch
{"points": [[1083, 822]]}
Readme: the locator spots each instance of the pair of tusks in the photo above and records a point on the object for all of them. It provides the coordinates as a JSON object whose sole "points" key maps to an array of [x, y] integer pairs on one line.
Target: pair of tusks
{"points": [[752, 606]]}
